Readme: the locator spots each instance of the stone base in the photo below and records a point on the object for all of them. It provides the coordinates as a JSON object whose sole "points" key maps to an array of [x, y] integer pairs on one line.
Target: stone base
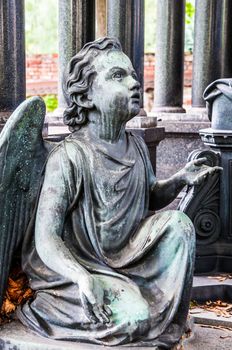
{"points": [[209, 288], [15, 336]]}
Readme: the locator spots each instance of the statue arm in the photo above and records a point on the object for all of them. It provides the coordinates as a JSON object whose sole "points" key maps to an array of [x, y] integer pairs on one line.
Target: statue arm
{"points": [[50, 218], [52, 206], [165, 191]]}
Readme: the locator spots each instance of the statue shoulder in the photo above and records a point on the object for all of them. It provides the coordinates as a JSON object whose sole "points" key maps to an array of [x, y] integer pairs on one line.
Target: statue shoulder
{"points": [[139, 141], [65, 157]]}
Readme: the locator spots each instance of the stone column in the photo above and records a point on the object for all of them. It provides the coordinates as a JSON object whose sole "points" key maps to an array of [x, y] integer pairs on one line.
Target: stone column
{"points": [[212, 56], [169, 56], [76, 27], [125, 21], [205, 65], [12, 56], [224, 34]]}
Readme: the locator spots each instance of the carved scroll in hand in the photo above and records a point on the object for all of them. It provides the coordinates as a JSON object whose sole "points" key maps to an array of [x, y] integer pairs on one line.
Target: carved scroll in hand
{"points": [[201, 203]]}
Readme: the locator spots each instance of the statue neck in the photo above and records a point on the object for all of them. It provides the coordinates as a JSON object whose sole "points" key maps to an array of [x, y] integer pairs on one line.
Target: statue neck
{"points": [[106, 126]]}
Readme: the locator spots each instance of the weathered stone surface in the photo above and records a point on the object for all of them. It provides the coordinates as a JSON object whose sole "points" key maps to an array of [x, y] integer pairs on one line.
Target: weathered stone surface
{"points": [[181, 138]]}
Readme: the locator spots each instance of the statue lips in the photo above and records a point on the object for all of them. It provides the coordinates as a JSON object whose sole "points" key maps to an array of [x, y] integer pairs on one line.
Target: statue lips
{"points": [[135, 97]]}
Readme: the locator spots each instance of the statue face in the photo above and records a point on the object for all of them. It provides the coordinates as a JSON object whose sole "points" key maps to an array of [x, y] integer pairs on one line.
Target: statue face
{"points": [[115, 89]]}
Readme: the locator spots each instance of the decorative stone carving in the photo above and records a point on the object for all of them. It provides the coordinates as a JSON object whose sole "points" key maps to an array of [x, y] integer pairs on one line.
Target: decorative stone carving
{"points": [[212, 215], [201, 203]]}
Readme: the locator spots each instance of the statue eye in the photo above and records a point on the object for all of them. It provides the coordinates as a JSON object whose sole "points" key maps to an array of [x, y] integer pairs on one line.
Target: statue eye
{"points": [[117, 76], [134, 76]]}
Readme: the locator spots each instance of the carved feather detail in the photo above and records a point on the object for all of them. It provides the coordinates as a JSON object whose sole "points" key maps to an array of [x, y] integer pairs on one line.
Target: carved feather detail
{"points": [[22, 158]]}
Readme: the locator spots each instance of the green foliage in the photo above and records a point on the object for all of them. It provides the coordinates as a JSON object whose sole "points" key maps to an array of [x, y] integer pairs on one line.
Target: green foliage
{"points": [[190, 11], [189, 25], [150, 25], [51, 102], [41, 26]]}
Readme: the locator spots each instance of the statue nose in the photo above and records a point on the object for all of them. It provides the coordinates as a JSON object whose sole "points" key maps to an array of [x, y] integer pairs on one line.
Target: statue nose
{"points": [[135, 85]]}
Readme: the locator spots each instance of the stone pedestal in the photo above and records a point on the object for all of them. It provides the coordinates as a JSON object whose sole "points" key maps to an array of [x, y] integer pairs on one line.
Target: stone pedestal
{"points": [[209, 205], [181, 138], [220, 142], [15, 336]]}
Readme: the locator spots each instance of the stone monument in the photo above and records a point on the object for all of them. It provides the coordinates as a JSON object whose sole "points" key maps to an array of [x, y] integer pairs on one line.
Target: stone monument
{"points": [[105, 269], [209, 206]]}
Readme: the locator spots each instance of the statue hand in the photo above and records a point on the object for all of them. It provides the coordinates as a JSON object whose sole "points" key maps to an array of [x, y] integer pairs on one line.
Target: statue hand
{"points": [[195, 172], [92, 298]]}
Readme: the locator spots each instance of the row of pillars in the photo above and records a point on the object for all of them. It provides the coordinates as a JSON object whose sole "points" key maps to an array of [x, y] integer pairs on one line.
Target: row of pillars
{"points": [[125, 20]]}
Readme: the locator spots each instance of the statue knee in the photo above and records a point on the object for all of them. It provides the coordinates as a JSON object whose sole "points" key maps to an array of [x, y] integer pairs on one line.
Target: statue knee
{"points": [[183, 224]]}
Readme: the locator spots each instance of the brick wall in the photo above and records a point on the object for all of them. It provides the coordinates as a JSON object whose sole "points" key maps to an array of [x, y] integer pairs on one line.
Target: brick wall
{"points": [[42, 75]]}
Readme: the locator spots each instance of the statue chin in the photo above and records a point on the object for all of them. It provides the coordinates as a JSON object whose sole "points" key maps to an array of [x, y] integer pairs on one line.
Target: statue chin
{"points": [[134, 111]]}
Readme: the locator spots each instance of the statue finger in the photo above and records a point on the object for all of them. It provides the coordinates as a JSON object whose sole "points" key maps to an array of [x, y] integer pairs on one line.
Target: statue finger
{"points": [[98, 314], [199, 179], [104, 314], [218, 168], [107, 310], [214, 170], [88, 309], [200, 161]]}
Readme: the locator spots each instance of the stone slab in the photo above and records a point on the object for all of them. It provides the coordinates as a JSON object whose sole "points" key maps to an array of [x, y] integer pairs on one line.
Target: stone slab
{"points": [[207, 338], [15, 336], [205, 288], [201, 316]]}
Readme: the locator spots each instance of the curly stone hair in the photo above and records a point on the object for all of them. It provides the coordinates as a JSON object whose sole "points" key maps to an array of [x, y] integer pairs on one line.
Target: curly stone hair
{"points": [[79, 76]]}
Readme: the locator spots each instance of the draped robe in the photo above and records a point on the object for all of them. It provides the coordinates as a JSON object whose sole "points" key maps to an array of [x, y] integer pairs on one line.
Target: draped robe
{"points": [[143, 262]]}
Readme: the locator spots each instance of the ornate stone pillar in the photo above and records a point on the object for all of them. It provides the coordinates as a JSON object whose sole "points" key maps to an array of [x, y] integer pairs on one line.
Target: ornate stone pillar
{"points": [[12, 56], [76, 27], [169, 56], [125, 21]]}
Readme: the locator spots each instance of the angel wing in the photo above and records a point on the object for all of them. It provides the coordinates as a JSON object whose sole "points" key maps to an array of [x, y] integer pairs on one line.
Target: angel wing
{"points": [[23, 153]]}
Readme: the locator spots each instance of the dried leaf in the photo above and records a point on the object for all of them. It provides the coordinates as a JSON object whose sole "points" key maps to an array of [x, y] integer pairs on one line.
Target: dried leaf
{"points": [[219, 307], [221, 277], [8, 307], [17, 292]]}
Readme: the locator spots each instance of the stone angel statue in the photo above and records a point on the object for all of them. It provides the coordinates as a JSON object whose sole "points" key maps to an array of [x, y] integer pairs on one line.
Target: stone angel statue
{"points": [[105, 269]]}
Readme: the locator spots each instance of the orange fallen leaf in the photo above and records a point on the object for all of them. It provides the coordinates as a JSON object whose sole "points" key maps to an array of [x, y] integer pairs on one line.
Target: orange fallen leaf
{"points": [[18, 291]]}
